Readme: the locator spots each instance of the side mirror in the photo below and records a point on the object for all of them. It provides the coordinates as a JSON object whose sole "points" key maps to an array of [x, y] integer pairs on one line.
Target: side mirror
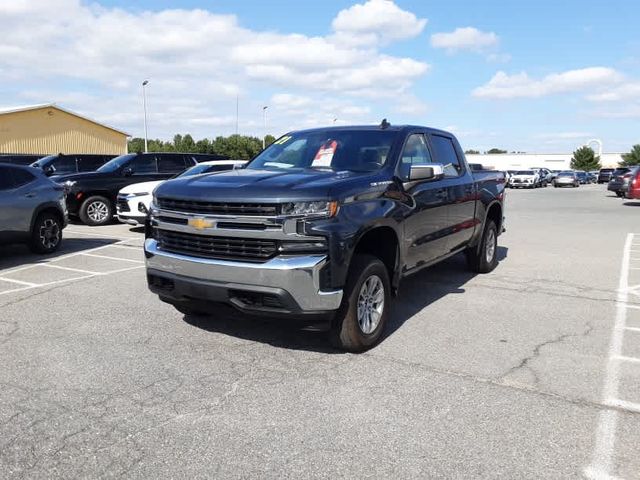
{"points": [[434, 171], [127, 171]]}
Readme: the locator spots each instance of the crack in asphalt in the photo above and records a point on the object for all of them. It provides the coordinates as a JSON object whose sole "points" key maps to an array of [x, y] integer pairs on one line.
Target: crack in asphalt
{"points": [[526, 361], [498, 382]]}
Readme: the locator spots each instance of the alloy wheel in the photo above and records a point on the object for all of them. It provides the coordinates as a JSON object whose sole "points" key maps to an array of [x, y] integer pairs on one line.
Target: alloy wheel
{"points": [[370, 304]]}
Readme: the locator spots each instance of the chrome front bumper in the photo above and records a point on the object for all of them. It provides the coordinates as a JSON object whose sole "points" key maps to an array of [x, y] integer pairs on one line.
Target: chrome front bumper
{"points": [[298, 276]]}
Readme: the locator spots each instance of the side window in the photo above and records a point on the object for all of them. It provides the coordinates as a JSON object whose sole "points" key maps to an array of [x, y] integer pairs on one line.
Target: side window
{"points": [[445, 154], [415, 151], [144, 164], [89, 164], [64, 164], [218, 168], [171, 163], [21, 177], [6, 179]]}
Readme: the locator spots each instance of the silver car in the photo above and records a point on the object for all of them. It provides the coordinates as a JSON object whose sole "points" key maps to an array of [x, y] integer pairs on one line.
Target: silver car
{"points": [[32, 208], [566, 179]]}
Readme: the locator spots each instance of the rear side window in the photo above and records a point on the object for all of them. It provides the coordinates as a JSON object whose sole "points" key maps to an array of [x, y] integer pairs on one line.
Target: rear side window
{"points": [[218, 168], [170, 163], [22, 177], [89, 164], [445, 153], [144, 164]]}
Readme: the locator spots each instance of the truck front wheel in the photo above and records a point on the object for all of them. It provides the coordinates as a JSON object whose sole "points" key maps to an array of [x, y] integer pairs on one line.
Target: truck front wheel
{"points": [[484, 259], [361, 319]]}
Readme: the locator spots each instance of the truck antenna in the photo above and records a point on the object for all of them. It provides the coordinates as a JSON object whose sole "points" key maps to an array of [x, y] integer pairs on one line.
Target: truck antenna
{"points": [[384, 124]]}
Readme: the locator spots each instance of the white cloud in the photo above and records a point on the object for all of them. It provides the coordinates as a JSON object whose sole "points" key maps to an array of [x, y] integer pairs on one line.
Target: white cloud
{"points": [[376, 21], [197, 62], [504, 86], [624, 92], [466, 38]]}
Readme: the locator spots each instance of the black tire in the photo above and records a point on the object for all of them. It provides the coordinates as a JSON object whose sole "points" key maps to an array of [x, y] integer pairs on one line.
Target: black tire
{"points": [[347, 332], [46, 235], [96, 210], [620, 194], [480, 260]]}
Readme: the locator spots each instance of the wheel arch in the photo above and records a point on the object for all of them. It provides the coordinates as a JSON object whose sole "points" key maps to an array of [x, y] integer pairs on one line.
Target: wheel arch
{"points": [[382, 241], [47, 207]]}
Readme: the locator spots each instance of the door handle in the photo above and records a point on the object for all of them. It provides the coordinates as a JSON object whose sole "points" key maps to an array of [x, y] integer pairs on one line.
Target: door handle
{"points": [[30, 195]]}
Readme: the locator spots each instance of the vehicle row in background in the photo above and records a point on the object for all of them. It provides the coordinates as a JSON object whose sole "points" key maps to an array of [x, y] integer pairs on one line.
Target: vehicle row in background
{"points": [[92, 196], [62, 164], [32, 208], [134, 200], [541, 177]]}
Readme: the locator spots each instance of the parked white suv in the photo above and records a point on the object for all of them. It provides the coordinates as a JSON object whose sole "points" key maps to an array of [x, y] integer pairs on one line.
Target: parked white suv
{"points": [[524, 179], [133, 201]]}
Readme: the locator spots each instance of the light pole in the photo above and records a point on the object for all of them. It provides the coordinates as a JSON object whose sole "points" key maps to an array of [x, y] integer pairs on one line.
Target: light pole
{"points": [[144, 106], [264, 133]]}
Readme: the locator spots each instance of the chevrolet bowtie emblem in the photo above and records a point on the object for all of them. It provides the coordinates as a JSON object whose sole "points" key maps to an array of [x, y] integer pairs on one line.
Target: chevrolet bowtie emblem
{"points": [[200, 223]]}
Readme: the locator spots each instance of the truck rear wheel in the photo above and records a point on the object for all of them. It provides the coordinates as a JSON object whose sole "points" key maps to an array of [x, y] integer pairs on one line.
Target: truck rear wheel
{"points": [[484, 259], [360, 321]]}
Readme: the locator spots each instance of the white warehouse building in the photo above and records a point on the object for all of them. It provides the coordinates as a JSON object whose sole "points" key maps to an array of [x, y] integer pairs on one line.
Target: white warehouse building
{"points": [[523, 161]]}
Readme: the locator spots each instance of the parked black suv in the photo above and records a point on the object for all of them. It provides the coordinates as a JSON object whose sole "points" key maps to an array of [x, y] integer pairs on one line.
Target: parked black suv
{"points": [[91, 196], [32, 208], [63, 164], [605, 175]]}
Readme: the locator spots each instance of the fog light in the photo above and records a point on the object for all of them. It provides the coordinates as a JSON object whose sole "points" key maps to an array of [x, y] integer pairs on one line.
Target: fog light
{"points": [[142, 208]]}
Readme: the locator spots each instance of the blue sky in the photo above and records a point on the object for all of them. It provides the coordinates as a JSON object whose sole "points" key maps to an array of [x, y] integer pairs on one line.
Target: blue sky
{"points": [[537, 77]]}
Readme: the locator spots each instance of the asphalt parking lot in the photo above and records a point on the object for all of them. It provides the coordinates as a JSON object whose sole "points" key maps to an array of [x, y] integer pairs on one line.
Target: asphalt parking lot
{"points": [[532, 371]]}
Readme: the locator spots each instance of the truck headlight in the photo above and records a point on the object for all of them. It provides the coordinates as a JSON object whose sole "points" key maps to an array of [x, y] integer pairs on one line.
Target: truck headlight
{"points": [[327, 209], [136, 194]]}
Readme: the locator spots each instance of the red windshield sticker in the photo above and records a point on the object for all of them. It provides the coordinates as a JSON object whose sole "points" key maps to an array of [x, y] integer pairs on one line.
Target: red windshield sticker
{"points": [[325, 154]]}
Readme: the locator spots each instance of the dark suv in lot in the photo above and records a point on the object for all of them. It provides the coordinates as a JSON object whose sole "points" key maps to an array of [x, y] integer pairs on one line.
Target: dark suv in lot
{"points": [[619, 180], [62, 164], [32, 208], [605, 175], [91, 196]]}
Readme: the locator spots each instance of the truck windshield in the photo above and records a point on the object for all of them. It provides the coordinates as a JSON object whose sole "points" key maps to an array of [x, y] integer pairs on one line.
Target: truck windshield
{"points": [[115, 163], [354, 150]]}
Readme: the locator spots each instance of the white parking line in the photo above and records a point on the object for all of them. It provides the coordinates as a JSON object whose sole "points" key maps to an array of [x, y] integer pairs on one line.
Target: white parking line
{"points": [[602, 460], [631, 406], [56, 282], [622, 358], [77, 232], [112, 258], [88, 272], [19, 282]]}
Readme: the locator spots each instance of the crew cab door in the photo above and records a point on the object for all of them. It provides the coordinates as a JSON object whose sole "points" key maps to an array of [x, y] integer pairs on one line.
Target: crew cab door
{"points": [[425, 224], [460, 187]]}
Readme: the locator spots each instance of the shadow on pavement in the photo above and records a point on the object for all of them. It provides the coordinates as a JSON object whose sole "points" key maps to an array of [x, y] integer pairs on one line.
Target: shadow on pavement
{"points": [[416, 293], [631, 204], [12, 256]]}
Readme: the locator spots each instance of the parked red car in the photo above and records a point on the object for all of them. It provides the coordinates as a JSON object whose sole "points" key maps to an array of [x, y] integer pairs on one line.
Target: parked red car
{"points": [[632, 189]]}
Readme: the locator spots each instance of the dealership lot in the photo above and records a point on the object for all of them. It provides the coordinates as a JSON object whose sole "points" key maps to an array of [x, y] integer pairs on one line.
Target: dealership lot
{"points": [[511, 374]]}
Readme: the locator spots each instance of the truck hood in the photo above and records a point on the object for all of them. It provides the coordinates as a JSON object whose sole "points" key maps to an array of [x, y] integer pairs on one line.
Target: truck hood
{"points": [[249, 185], [146, 187]]}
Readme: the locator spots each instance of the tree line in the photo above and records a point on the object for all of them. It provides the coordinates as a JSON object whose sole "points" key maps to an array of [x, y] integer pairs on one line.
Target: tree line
{"points": [[240, 147]]}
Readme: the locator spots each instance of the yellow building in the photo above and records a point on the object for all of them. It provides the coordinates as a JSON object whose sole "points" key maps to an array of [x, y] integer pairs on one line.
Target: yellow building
{"points": [[49, 129]]}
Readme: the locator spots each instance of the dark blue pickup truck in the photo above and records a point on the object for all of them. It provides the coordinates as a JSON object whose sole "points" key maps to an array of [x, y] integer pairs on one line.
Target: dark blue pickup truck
{"points": [[322, 226]]}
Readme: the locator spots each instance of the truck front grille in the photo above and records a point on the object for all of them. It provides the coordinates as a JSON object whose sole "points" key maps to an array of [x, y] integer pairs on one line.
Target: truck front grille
{"points": [[223, 248], [211, 208]]}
